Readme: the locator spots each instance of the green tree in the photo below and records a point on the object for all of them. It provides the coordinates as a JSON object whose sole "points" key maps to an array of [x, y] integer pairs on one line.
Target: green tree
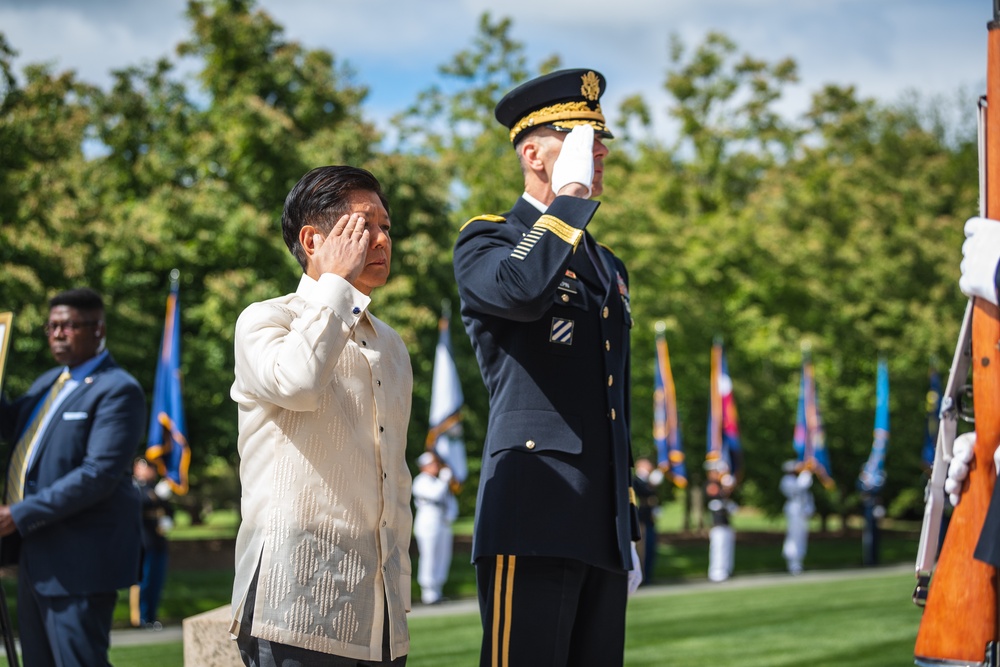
{"points": [[195, 180], [46, 205], [840, 229]]}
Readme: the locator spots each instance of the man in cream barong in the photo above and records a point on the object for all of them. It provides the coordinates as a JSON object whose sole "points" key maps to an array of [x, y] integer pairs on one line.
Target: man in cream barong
{"points": [[323, 388]]}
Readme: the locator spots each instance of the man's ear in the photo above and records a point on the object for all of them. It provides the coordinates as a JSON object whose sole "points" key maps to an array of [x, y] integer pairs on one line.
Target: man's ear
{"points": [[306, 234], [531, 153]]}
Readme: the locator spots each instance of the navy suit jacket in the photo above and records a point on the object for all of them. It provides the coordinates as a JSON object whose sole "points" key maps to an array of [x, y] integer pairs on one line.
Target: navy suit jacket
{"points": [[552, 341], [79, 525]]}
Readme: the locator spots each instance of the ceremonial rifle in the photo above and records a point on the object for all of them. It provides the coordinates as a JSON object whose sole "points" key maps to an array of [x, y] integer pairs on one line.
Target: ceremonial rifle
{"points": [[959, 623]]}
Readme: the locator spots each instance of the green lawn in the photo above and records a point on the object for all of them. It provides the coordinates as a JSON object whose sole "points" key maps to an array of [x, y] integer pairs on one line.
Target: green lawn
{"points": [[862, 619], [866, 619], [189, 592]]}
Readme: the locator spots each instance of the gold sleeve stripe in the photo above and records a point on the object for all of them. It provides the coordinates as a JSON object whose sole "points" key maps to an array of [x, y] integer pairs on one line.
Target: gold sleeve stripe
{"points": [[631, 496], [486, 217], [567, 233], [527, 243]]}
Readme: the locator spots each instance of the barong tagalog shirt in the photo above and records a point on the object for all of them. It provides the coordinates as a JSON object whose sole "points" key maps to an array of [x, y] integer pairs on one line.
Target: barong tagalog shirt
{"points": [[323, 389]]}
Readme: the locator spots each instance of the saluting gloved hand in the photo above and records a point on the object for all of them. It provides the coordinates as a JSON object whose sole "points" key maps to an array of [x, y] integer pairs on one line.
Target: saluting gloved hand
{"points": [[635, 574], [980, 255], [958, 468], [575, 163]]}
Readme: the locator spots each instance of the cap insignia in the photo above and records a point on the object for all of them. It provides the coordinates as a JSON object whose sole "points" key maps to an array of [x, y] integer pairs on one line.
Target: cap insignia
{"points": [[591, 88]]}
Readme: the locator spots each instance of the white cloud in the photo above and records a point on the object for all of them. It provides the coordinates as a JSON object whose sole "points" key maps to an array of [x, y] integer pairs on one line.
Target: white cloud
{"points": [[884, 47]]}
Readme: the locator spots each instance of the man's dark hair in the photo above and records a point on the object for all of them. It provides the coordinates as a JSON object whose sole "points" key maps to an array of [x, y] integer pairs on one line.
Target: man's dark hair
{"points": [[82, 298], [320, 198]]}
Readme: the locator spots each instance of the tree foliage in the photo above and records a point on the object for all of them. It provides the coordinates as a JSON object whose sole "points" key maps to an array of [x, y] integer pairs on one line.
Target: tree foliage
{"points": [[840, 228]]}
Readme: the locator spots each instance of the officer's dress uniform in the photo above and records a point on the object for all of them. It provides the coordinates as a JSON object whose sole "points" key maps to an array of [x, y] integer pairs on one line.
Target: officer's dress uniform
{"points": [[548, 313]]}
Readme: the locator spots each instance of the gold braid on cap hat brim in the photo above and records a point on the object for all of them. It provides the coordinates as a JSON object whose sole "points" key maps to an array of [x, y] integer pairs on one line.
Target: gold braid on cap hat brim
{"points": [[565, 112]]}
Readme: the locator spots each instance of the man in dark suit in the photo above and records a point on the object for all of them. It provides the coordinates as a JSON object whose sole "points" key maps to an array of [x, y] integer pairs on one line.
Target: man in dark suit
{"points": [[71, 517], [548, 313]]}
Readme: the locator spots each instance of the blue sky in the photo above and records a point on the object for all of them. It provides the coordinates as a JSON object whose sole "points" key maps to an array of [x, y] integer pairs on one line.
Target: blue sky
{"points": [[883, 47]]}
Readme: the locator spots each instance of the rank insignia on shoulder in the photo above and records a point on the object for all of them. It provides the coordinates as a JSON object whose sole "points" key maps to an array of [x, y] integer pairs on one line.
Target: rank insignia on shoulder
{"points": [[562, 331]]}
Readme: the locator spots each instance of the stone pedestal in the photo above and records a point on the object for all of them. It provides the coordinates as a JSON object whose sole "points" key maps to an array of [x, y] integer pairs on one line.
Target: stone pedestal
{"points": [[207, 642]]}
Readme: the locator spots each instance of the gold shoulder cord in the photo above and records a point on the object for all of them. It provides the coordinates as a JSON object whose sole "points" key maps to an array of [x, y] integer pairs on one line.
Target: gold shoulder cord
{"points": [[486, 217]]}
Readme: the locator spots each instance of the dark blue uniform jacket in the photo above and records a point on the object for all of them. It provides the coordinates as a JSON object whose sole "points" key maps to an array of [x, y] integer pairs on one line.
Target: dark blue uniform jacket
{"points": [[552, 339]]}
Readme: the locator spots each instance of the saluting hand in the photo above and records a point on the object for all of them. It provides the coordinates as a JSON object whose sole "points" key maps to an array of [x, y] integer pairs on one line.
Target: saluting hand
{"points": [[575, 163], [344, 250]]}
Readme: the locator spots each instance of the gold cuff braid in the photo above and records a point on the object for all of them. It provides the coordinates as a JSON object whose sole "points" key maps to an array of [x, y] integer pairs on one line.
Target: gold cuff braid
{"points": [[566, 232]]}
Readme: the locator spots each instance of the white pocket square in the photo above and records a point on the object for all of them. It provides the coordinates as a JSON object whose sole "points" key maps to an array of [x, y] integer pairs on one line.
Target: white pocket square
{"points": [[74, 416]]}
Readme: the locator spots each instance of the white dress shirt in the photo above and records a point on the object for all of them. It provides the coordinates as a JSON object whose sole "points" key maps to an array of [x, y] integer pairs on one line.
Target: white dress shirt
{"points": [[323, 390]]}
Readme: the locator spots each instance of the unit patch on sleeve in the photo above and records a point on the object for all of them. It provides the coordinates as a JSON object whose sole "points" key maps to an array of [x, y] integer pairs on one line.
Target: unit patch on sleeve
{"points": [[562, 331]]}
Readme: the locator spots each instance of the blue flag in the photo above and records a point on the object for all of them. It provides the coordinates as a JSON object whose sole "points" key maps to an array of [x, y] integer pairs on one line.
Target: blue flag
{"points": [[809, 438], [872, 477], [724, 455], [167, 444], [933, 416], [666, 426]]}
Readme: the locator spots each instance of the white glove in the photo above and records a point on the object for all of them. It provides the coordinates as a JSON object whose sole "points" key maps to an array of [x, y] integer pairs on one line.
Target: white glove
{"points": [[958, 467], [575, 163], [656, 477], [635, 574], [445, 474], [163, 490], [980, 255], [165, 524]]}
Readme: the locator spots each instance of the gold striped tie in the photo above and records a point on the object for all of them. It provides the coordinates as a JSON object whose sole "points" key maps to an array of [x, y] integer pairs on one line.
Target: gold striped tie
{"points": [[22, 451]]}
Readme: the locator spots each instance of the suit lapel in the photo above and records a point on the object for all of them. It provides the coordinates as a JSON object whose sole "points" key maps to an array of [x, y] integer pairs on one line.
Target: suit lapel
{"points": [[71, 403], [45, 383]]}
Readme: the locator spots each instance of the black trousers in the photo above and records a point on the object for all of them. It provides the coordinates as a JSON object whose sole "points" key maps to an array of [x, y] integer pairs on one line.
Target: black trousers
{"points": [[70, 630], [550, 612], [257, 652]]}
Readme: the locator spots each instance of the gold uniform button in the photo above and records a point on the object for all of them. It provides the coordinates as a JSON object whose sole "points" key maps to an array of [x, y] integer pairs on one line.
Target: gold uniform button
{"points": [[607, 345], [611, 380], [612, 414], [530, 444], [565, 298], [605, 312]]}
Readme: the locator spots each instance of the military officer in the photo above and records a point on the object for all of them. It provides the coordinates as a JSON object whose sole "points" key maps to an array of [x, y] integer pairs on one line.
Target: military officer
{"points": [[548, 313]]}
